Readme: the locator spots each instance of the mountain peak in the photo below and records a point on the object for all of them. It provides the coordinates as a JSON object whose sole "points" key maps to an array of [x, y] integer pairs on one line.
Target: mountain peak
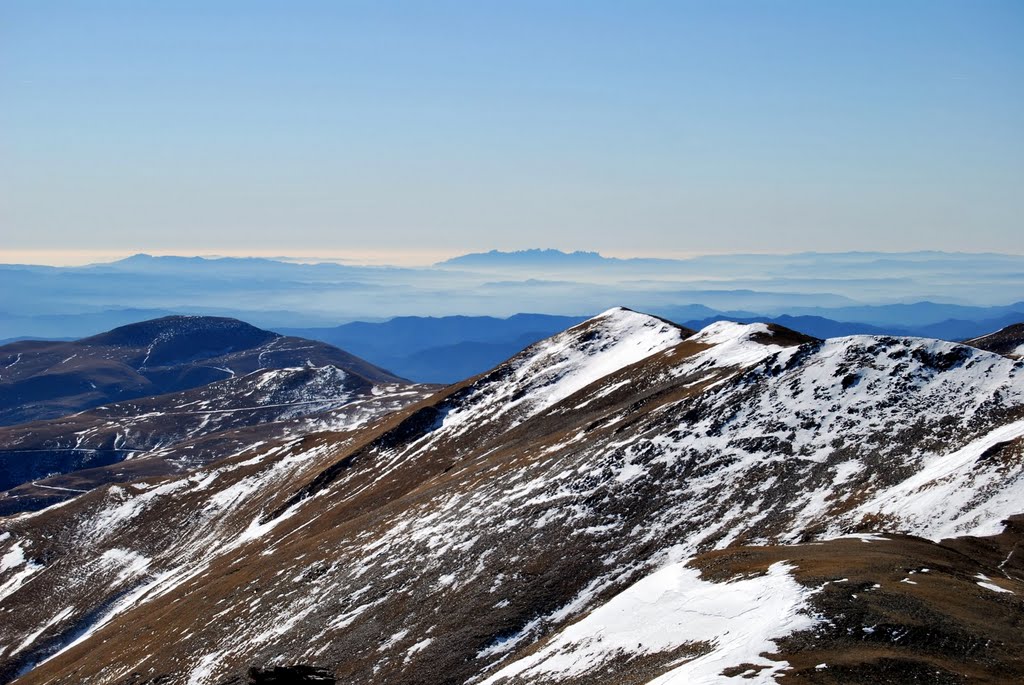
{"points": [[626, 327], [726, 331], [624, 316], [555, 368], [612, 340], [214, 330], [636, 530], [731, 346]]}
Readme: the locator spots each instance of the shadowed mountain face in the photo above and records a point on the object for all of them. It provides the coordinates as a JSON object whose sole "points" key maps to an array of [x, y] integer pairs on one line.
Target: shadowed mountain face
{"points": [[1007, 341], [40, 380], [625, 502]]}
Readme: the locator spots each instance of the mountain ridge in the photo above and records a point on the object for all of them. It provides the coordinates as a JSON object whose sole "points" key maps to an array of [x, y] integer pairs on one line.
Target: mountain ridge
{"points": [[49, 379], [469, 531]]}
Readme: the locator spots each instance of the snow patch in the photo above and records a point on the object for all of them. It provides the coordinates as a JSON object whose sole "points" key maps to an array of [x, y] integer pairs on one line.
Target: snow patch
{"points": [[949, 497], [983, 582], [14, 558], [671, 608], [734, 344], [416, 648], [131, 563]]}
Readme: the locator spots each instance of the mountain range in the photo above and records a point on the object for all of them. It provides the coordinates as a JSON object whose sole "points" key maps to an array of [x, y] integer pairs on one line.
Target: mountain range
{"points": [[626, 501], [165, 396], [78, 301], [40, 379]]}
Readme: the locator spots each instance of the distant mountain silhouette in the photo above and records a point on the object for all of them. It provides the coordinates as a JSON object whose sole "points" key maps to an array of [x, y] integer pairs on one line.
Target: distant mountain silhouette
{"points": [[534, 257]]}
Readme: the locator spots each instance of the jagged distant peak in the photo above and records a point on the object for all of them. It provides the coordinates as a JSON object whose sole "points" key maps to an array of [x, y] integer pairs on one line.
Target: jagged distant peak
{"points": [[533, 256], [148, 259]]}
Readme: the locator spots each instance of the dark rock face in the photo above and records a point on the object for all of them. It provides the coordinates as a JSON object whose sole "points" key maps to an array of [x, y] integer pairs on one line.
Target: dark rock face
{"points": [[176, 339]]}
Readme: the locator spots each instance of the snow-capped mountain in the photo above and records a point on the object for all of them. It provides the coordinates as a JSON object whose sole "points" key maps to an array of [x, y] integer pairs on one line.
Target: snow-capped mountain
{"points": [[625, 502]]}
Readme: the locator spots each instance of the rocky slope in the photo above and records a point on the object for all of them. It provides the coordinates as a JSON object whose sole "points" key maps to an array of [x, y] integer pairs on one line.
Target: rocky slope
{"points": [[44, 462], [1007, 341], [626, 502]]}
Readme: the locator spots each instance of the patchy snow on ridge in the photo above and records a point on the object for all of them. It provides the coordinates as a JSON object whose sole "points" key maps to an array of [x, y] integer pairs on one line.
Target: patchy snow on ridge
{"points": [[615, 339], [553, 369], [403, 536], [950, 496], [735, 344], [672, 608], [731, 348]]}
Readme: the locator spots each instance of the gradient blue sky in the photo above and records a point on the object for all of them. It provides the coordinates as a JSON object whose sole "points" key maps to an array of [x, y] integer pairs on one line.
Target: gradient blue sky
{"points": [[431, 128]]}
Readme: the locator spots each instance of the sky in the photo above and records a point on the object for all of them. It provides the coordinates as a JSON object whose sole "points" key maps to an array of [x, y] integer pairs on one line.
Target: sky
{"points": [[413, 130]]}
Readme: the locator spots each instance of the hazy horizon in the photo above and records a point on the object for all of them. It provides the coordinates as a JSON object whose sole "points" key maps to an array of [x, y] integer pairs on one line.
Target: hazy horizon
{"points": [[411, 259], [286, 293]]}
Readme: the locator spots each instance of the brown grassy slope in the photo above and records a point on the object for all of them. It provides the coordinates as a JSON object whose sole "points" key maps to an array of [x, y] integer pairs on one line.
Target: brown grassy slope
{"points": [[901, 610]]}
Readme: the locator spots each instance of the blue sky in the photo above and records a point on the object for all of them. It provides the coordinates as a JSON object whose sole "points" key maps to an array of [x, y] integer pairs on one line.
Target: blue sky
{"points": [[442, 127]]}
